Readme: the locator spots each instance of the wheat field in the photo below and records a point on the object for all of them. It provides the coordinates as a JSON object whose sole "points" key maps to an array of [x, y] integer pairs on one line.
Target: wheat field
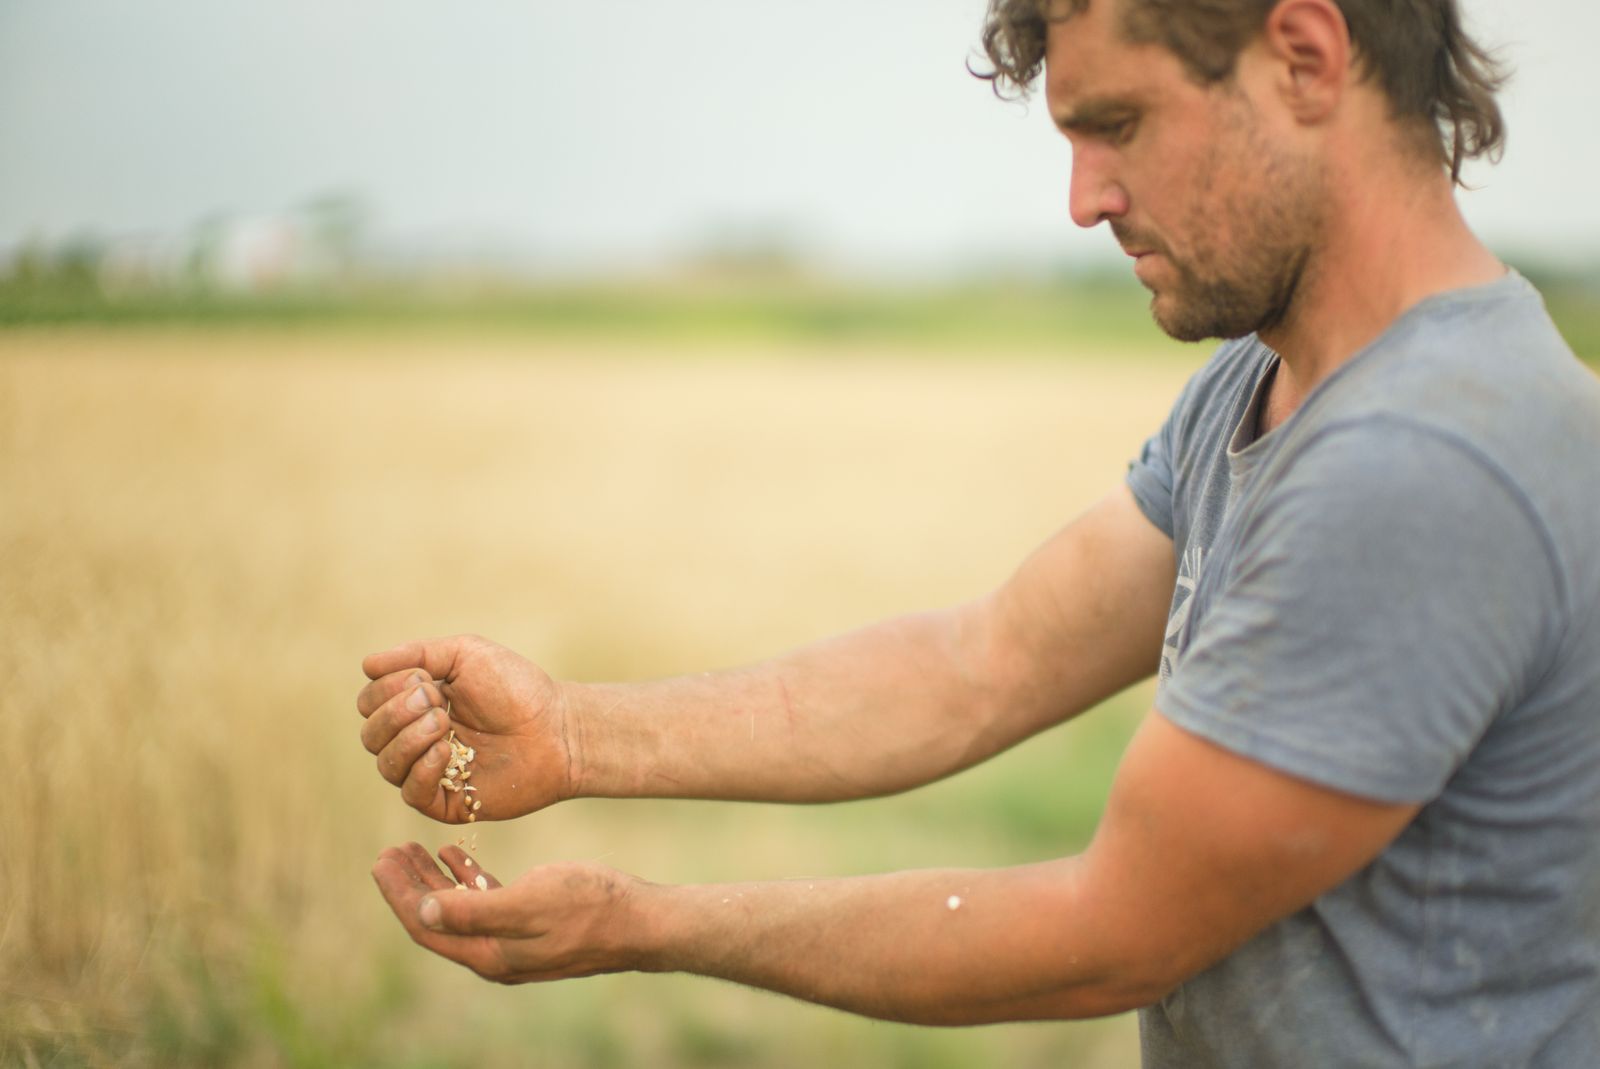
{"points": [[203, 531]]}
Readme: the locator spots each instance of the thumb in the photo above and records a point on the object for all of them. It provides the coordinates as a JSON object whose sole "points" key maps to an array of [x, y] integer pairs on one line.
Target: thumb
{"points": [[493, 913], [436, 656], [431, 914]]}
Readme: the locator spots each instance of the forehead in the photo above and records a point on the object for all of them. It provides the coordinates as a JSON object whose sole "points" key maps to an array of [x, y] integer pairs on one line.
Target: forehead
{"points": [[1089, 62]]}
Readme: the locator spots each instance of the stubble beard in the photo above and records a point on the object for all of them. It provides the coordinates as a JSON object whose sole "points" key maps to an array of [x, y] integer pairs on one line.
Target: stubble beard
{"points": [[1255, 298], [1248, 284]]}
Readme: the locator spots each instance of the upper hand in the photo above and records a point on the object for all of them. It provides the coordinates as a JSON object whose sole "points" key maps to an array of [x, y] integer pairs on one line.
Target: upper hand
{"points": [[552, 923], [501, 704]]}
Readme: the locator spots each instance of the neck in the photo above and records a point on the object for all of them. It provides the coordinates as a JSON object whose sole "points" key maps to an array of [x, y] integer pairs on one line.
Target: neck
{"points": [[1394, 238]]}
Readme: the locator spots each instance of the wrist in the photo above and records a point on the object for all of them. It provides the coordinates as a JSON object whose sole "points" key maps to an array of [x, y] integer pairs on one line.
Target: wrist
{"points": [[597, 766], [572, 702], [648, 926]]}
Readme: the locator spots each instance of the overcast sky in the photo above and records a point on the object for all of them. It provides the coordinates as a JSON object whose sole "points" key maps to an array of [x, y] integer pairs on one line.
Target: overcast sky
{"points": [[606, 130]]}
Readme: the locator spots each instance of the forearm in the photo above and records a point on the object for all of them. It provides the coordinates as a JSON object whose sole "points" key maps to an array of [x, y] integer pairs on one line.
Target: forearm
{"points": [[945, 947], [900, 703], [871, 712]]}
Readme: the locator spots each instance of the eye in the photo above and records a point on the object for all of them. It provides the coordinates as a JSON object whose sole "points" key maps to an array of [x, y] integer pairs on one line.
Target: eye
{"points": [[1122, 131]]}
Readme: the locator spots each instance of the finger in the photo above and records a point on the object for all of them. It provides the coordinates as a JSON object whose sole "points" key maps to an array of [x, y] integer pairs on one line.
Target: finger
{"points": [[403, 887], [467, 870], [427, 870], [412, 741], [436, 656], [405, 707], [372, 696], [422, 789]]}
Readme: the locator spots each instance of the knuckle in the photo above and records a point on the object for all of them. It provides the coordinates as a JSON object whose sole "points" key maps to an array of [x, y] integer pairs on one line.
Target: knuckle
{"points": [[420, 792], [387, 770], [406, 734], [412, 741], [410, 790]]}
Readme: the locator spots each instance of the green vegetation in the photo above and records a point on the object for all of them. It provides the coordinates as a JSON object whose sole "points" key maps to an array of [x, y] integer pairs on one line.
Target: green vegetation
{"points": [[1574, 303], [1028, 316], [1095, 311]]}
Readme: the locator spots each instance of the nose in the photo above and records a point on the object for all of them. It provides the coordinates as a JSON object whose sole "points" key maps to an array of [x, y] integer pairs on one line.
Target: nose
{"points": [[1095, 194]]}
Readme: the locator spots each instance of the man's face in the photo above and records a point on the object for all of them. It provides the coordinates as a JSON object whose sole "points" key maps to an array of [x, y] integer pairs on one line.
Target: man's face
{"points": [[1199, 183]]}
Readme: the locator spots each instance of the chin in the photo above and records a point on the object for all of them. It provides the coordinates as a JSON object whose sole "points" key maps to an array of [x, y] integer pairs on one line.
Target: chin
{"points": [[1175, 320], [1191, 328]]}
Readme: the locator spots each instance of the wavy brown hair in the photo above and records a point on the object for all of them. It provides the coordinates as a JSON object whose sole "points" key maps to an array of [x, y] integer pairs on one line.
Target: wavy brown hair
{"points": [[1436, 77]]}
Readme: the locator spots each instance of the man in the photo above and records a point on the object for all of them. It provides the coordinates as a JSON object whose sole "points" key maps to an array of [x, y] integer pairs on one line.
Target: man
{"points": [[1358, 827]]}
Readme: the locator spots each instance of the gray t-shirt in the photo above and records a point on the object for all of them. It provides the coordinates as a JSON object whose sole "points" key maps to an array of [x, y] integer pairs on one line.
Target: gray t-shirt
{"points": [[1397, 594]]}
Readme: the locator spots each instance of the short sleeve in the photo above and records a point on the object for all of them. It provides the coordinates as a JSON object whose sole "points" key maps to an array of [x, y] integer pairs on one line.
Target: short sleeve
{"points": [[1151, 480], [1387, 597]]}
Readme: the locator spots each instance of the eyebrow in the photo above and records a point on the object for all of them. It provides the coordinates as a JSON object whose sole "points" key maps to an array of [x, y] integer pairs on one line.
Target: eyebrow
{"points": [[1097, 113]]}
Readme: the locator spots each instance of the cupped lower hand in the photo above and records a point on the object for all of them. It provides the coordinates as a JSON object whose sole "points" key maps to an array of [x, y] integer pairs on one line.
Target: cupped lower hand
{"points": [[500, 704], [551, 923]]}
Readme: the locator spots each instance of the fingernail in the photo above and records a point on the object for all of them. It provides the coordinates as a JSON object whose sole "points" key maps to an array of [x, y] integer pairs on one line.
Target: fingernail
{"points": [[431, 721], [430, 913], [417, 700], [418, 678]]}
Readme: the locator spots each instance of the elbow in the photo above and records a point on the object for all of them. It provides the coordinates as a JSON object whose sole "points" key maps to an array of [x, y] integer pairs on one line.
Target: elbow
{"points": [[1129, 978], [1134, 993], [997, 672], [1112, 996], [1074, 1002], [1074, 993], [1105, 994], [1134, 974]]}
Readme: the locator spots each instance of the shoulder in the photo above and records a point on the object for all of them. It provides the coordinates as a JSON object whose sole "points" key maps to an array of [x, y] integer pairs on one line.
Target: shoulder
{"points": [[1383, 505], [1472, 404], [1486, 363], [1385, 581], [1386, 467]]}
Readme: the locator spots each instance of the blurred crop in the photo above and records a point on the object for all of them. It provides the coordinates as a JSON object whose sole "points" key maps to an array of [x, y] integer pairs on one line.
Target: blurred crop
{"points": [[203, 529], [212, 505]]}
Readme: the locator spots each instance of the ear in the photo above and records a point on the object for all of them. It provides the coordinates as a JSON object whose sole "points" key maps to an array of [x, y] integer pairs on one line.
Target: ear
{"points": [[1309, 43]]}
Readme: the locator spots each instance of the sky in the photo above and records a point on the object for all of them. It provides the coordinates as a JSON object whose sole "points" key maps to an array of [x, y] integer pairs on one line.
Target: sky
{"points": [[587, 136]]}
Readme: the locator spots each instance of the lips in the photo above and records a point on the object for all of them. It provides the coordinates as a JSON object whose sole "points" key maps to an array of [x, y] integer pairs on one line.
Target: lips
{"points": [[1129, 240], [1144, 267]]}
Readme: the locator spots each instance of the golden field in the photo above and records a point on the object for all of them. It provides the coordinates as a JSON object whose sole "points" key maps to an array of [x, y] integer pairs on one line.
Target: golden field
{"points": [[203, 531]]}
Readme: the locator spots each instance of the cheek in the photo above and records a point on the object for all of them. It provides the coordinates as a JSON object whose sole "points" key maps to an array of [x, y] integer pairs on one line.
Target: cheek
{"points": [[1211, 196], [1215, 219], [1176, 210]]}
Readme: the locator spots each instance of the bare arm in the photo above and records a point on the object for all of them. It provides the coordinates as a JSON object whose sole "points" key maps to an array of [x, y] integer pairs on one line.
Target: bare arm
{"points": [[903, 702], [878, 710], [1199, 849]]}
